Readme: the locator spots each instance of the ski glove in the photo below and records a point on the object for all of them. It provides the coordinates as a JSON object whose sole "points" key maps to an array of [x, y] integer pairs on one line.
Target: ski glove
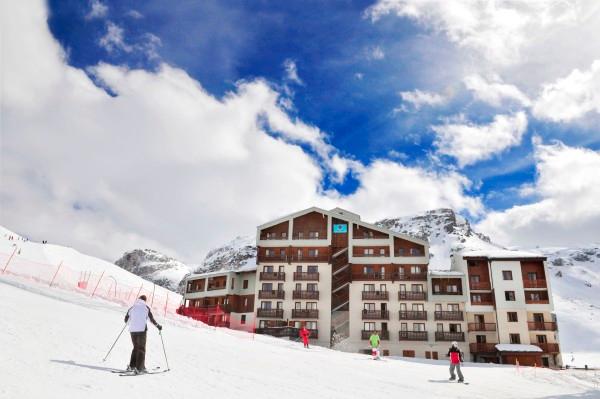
{"points": [[159, 327]]}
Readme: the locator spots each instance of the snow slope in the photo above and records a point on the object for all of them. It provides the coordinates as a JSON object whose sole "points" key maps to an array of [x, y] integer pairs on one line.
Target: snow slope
{"points": [[59, 341], [68, 267]]}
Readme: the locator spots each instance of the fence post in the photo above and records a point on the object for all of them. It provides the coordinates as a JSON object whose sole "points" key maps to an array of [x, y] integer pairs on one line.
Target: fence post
{"points": [[166, 304], [98, 283], [130, 292], [9, 259], [55, 274], [140, 290], [153, 289]]}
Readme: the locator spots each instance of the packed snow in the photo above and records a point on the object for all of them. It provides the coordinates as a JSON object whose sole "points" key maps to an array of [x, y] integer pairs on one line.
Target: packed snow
{"points": [[58, 339]]}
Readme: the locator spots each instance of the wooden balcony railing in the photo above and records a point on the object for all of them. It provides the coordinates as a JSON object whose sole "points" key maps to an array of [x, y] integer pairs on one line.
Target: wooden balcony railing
{"points": [[541, 326], [449, 336], [215, 287], [271, 294], [303, 294], [482, 299], [548, 348], [413, 315], [375, 255], [375, 314], [310, 258], [482, 326], [384, 335], [306, 235], [272, 257], [480, 285], [412, 276], [449, 315], [535, 284], [413, 336], [270, 313], [272, 276], [376, 295], [389, 277], [305, 313], [484, 347], [306, 276], [444, 292], [412, 296]]}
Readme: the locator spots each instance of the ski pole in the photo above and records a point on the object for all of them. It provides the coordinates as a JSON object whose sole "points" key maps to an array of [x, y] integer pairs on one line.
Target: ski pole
{"points": [[113, 345], [164, 351]]}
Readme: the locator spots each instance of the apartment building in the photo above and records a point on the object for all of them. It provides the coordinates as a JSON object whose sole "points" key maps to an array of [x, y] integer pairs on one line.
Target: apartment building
{"points": [[344, 278], [509, 303], [221, 298]]}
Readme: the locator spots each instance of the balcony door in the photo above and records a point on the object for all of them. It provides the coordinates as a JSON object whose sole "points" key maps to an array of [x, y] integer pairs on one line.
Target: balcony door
{"points": [[479, 319], [265, 305], [268, 269], [403, 307], [383, 307], [267, 286], [298, 287], [532, 276], [538, 317], [402, 287], [279, 286], [311, 287], [453, 307], [384, 326], [403, 326], [481, 339], [455, 328], [369, 287], [299, 269], [416, 288], [418, 307], [369, 307], [418, 326]]}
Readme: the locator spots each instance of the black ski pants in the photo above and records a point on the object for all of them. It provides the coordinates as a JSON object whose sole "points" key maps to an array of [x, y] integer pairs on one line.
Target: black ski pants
{"points": [[138, 354]]}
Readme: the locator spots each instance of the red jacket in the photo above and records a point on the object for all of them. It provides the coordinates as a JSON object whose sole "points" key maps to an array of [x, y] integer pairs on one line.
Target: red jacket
{"points": [[304, 333], [456, 355]]}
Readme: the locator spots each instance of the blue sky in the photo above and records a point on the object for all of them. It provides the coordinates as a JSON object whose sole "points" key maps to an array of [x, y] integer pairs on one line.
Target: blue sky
{"points": [[211, 117]]}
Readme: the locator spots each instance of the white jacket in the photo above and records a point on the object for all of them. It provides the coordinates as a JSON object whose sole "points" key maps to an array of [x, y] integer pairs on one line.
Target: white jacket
{"points": [[137, 316]]}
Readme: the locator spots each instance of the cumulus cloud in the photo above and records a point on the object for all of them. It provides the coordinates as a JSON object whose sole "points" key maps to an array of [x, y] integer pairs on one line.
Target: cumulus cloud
{"points": [[496, 29], [565, 211], [135, 14], [570, 97], [375, 53], [470, 143], [114, 40], [495, 91], [161, 163], [97, 10], [418, 99]]}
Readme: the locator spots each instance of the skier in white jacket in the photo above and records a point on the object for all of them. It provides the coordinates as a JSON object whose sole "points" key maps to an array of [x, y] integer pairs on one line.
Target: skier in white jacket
{"points": [[137, 316]]}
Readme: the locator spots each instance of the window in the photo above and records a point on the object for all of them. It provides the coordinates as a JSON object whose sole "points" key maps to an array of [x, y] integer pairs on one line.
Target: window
{"points": [[369, 326], [507, 275], [313, 234], [267, 286], [279, 286], [416, 288], [415, 270], [452, 288], [418, 307], [415, 251], [515, 339], [368, 269], [281, 269], [313, 253], [454, 327], [300, 254], [438, 307], [382, 251], [368, 251], [369, 306], [268, 269], [245, 284], [440, 327], [382, 287], [269, 252], [509, 295], [481, 339], [243, 319], [400, 251], [512, 317], [300, 234], [369, 287], [476, 298], [474, 279], [312, 269], [298, 305], [279, 305], [418, 326], [311, 287], [265, 305], [453, 307], [299, 269], [541, 339], [284, 235], [402, 287], [532, 276], [311, 325], [403, 326], [298, 287], [232, 283], [311, 305], [436, 288], [246, 303], [534, 296]]}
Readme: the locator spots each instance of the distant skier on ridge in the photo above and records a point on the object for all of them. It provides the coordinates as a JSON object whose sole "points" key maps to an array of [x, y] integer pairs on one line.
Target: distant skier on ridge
{"points": [[137, 316], [456, 358]]}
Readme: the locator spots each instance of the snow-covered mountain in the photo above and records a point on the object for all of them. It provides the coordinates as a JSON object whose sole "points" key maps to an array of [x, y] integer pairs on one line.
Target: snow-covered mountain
{"points": [[154, 266], [238, 254]]}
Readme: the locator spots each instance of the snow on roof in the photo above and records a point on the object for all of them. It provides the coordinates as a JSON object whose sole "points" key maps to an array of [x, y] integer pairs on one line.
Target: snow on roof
{"points": [[446, 273], [501, 254], [247, 268], [518, 348]]}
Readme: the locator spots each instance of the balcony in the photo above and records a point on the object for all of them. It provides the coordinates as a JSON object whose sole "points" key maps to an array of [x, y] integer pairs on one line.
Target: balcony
{"points": [[375, 314], [214, 287], [373, 255], [480, 285], [541, 326], [412, 296], [449, 336], [389, 277], [310, 258], [412, 276], [310, 235], [413, 336], [271, 257], [482, 299], [384, 335], [305, 295], [536, 297], [449, 315], [270, 313], [482, 327], [477, 347], [306, 276], [272, 276], [444, 292], [305, 313], [548, 348], [413, 315], [535, 284], [271, 294], [375, 295]]}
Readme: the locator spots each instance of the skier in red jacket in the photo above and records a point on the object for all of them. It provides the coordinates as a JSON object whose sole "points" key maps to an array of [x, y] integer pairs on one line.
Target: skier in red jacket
{"points": [[456, 357], [304, 334]]}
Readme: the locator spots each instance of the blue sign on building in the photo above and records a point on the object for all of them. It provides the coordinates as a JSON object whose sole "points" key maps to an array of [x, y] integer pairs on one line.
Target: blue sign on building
{"points": [[340, 228]]}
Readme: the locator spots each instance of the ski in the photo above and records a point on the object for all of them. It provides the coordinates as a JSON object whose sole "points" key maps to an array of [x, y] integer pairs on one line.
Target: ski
{"points": [[126, 371], [132, 374]]}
